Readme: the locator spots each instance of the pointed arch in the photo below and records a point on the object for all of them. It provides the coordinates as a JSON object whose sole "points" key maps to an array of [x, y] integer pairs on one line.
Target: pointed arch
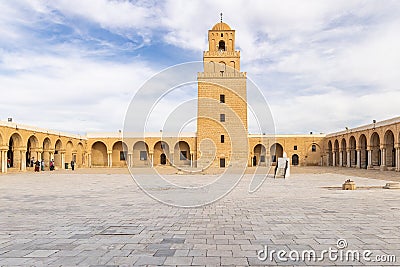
{"points": [[375, 144], [363, 151], [390, 151], [80, 155], [313, 157], [336, 153], [69, 147], [295, 160], [232, 66], [57, 153], [343, 152], [13, 154], [46, 143], [276, 152], [210, 66], [182, 154], [330, 153], [31, 150], [221, 45], [119, 154], [259, 157], [99, 154], [353, 152], [161, 153], [141, 154], [222, 67], [47, 148]]}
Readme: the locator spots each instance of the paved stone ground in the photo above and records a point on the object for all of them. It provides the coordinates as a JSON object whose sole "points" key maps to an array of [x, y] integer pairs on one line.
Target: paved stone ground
{"points": [[69, 219]]}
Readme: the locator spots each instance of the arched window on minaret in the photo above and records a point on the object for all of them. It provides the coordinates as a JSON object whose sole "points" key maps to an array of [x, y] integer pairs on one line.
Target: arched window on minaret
{"points": [[222, 67], [221, 46], [211, 66], [232, 66]]}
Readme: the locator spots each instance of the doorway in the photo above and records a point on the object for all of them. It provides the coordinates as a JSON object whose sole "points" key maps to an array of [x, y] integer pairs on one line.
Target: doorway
{"points": [[295, 160], [222, 162], [163, 159]]}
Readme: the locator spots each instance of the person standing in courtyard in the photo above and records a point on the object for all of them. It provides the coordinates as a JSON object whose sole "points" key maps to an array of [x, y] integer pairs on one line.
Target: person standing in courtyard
{"points": [[42, 164], [8, 163], [51, 165], [37, 166], [72, 164]]}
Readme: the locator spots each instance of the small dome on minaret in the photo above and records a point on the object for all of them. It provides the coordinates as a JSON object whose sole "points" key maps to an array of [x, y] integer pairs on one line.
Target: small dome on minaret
{"points": [[221, 26]]}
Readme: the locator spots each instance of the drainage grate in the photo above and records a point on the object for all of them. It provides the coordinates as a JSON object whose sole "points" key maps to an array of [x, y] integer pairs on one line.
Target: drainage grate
{"points": [[329, 211], [122, 230]]}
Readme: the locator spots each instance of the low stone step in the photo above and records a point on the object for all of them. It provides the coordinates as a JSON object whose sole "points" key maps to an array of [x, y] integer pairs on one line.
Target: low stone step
{"points": [[392, 186]]}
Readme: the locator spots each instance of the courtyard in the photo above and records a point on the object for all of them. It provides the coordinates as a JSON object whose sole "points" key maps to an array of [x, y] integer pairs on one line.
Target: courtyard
{"points": [[97, 217]]}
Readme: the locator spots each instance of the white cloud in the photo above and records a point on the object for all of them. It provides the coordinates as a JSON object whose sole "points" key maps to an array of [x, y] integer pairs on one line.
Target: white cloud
{"points": [[64, 92], [109, 14]]}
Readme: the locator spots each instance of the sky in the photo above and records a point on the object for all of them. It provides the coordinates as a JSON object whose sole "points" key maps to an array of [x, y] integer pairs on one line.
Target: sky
{"points": [[75, 65]]}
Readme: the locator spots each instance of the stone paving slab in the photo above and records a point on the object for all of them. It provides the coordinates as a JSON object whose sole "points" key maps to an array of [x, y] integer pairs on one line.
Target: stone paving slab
{"points": [[40, 253], [99, 219]]}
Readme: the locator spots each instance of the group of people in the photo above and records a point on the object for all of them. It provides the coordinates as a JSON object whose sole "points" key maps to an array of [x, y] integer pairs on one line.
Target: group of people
{"points": [[39, 165]]}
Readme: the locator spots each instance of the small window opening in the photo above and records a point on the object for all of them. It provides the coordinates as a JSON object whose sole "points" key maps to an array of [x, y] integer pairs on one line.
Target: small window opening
{"points": [[222, 162], [221, 46], [143, 155], [314, 148], [222, 98]]}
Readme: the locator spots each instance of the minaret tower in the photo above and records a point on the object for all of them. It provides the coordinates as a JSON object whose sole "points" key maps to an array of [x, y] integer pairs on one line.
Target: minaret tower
{"points": [[222, 102]]}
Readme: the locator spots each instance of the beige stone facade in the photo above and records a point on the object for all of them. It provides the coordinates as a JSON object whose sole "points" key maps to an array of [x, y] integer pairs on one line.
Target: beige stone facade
{"points": [[19, 144], [222, 102], [222, 137], [305, 150], [112, 150], [372, 146]]}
